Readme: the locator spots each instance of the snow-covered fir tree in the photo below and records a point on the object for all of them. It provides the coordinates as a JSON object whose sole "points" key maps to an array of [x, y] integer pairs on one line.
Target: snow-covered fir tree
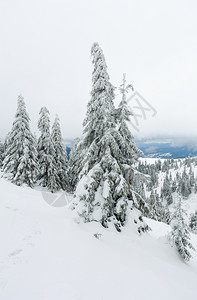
{"points": [[180, 236], [20, 158], [60, 154], [48, 176], [153, 178], [165, 166], [153, 205], [193, 222], [158, 210], [191, 177], [188, 161], [177, 177], [103, 192], [184, 184], [158, 165], [137, 183], [166, 191], [174, 186], [130, 152]]}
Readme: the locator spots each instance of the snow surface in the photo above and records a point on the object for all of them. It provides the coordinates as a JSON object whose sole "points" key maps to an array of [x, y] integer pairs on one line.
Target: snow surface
{"points": [[46, 254]]}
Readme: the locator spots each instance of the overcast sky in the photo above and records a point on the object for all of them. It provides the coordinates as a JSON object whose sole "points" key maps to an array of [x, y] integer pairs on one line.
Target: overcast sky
{"points": [[45, 55]]}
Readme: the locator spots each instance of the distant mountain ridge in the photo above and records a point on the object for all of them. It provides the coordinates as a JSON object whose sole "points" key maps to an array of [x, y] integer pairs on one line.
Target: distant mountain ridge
{"points": [[167, 148], [160, 147]]}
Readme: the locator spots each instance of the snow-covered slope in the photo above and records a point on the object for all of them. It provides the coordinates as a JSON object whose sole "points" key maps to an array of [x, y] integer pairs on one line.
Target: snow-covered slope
{"points": [[46, 255]]}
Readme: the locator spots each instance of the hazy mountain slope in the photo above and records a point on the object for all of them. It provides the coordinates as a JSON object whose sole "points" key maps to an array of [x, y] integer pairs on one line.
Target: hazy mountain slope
{"points": [[167, 147]]}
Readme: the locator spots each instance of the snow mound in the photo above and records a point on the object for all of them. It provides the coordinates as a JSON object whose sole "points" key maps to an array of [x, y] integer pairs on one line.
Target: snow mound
{"points": [[45, 255]]}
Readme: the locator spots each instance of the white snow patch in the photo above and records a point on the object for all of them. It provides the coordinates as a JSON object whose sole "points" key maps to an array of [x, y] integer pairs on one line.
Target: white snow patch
{"points": [[45, 255]]}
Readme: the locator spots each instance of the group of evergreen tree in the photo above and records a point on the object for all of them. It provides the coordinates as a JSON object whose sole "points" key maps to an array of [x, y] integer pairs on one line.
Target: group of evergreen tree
{"points": [[180, 235], [166, 190], [101, 171], [102, 162], [184, 182], [26, 161], [159, 209]]}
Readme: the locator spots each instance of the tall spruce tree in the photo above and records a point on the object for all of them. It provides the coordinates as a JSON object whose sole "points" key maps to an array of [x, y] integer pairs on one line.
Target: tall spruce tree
{"points": [[180, 236], [48, 176], [60, 153], [184, 184], [20, 158], [129, 151], [103, 192], [174, 186], [152, 204], [166, 191], [191, 177]]}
